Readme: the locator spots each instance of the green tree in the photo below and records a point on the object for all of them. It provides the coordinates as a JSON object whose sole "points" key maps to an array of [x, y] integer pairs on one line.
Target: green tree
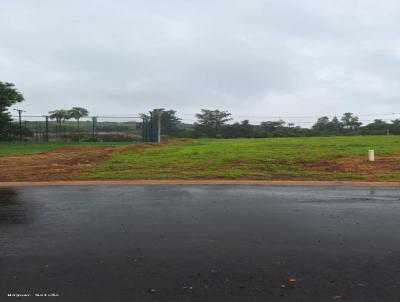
{"points": [[378, 127], [322, 124], [350, 121], [378, 124], [9, 96], [169, 122], [77, 113], [242, 129], [396, 123], [335, 125], [211, 122], [272, 125], [395, 126], [60, 115]]}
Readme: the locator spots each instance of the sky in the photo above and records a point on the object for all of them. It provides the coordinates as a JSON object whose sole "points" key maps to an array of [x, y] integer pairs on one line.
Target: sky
{"points": [[258, 59]]}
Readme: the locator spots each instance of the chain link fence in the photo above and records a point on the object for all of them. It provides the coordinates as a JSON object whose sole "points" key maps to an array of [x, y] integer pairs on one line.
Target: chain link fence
{"points": [[99, 128]]}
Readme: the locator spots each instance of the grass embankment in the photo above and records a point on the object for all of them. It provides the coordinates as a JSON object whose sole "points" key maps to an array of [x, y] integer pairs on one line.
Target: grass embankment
{"points": [[271, 158], [12, 148]]}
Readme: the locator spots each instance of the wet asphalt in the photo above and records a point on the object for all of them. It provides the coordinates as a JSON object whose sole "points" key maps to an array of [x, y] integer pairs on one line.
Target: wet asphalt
{"points": [[200, 243]]}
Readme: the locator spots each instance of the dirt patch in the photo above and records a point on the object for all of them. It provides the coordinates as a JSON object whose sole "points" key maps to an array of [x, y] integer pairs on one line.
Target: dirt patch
{"points": [[357, 165], [61, 164]]}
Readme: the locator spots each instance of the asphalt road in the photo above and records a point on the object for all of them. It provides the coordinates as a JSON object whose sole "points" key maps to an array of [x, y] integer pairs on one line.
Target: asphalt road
{"points": [[200, 243]]}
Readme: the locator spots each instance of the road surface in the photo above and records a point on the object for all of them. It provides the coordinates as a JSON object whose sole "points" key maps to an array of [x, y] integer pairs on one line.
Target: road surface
{"points": [[199, 243]]}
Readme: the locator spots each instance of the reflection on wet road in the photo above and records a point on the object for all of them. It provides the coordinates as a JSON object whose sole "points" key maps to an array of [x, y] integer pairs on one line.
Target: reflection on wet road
{"points": [[201, 243]]}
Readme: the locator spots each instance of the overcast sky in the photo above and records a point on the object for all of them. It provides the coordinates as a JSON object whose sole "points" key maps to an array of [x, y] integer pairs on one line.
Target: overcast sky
{"points": [[253, 58]]}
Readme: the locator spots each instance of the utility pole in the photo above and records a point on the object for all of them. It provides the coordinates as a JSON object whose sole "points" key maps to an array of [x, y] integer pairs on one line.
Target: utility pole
{"points": [[20, 122]]}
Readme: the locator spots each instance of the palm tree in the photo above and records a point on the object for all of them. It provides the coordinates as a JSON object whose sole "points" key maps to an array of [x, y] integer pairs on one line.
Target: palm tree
{"points": [[60, 115], [77, 113]]}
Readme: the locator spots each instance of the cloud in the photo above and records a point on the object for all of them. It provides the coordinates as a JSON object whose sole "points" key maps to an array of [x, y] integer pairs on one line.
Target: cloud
{"points": [[253, 57]]}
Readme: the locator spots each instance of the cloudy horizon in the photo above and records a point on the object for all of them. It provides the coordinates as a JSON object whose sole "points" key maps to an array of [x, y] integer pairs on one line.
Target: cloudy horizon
{"points": [[256, 59]]}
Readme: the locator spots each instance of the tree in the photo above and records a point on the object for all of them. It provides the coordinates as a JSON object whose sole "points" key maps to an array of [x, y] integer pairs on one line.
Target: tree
{"points": [[378, 124], [77, 113], [60, 115], [210, 122], [169, 122], [335, 125], [242, 129], [378, 127], [396, 122], [9, 96], [272, 125], [246, 128], [395, 126], [322, 124], [350, 121]]}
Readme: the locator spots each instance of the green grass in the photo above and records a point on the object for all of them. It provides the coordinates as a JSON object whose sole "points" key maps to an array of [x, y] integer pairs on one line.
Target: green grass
{"points": [[267, 158], [13, 148]]}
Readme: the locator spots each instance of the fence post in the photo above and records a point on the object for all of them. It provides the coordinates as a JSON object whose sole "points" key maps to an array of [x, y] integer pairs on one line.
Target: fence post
{"points": [[151, 127], [40, 133], [46, 136], [20, 122], [157, 113], [94, 126], [143, 130], [147, 131]]}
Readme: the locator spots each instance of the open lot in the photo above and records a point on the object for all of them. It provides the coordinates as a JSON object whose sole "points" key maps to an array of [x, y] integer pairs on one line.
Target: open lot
{"points": [[277, 158], [200, 243], [316, 158]]}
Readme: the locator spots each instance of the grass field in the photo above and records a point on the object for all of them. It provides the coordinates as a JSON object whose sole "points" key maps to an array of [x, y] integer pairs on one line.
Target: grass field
{"points": [[270, 158], [10, 148]]}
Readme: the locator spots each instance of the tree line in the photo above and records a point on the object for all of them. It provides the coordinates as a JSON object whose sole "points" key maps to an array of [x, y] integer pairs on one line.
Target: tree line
{"points": [[216, 123]]}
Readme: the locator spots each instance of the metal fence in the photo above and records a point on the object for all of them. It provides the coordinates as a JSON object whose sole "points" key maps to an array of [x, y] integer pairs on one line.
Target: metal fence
{"points": [[102, 128]]}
